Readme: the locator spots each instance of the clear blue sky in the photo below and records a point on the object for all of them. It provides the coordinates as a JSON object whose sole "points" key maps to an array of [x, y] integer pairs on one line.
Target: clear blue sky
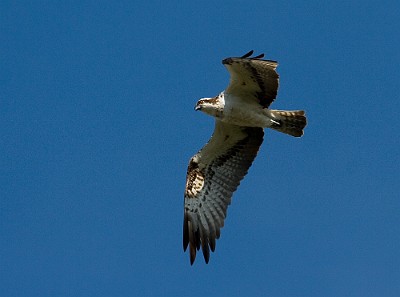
{"points": [[97, 127]]}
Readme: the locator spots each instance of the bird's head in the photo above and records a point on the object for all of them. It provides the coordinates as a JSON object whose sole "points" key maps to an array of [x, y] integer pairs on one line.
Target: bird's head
{"points": [[211, 106]]}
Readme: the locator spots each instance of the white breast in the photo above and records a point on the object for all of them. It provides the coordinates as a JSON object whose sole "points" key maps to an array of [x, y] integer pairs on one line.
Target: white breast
{"points": [[241, 113]]}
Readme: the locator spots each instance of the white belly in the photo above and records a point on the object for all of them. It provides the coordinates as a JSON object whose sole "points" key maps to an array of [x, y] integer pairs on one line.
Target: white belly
{"points": [[247, 116]]}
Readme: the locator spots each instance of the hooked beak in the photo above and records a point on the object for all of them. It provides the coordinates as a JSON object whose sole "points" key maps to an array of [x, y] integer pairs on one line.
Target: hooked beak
{"points": [[197, 107]]}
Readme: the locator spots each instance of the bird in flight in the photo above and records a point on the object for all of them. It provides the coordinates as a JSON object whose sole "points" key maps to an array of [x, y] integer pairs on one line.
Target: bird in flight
{"points": [[241, 113]]}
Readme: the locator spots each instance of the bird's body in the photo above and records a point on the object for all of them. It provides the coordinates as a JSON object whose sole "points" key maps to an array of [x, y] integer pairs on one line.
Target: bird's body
{"points": [[241, 113], [234, 111]]}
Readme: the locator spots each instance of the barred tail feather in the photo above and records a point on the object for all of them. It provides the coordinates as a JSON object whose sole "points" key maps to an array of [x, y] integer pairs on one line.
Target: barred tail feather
{"points": [[289, 122]]}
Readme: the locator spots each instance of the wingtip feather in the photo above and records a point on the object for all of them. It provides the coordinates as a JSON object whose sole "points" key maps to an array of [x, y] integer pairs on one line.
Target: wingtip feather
{"points": [[206, 250], [192, 254], [260, 56], [185, 232], [247, 54]]}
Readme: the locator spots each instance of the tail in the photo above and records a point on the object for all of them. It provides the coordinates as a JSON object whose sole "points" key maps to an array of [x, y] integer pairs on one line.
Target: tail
{"points": [[289, 122]]}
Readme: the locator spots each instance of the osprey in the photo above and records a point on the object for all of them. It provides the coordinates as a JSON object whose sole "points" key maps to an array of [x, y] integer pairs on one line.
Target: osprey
{"points": [[241, 112]]}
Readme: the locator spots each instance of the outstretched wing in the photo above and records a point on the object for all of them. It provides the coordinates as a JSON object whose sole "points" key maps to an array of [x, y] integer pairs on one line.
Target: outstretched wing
{"points": [[252, 79], [213, 175]]}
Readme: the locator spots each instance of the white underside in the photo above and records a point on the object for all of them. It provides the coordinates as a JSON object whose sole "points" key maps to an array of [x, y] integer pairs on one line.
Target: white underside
{"points": [[248, 115]]}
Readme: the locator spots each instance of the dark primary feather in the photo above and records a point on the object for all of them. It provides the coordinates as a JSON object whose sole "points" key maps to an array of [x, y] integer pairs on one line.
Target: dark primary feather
{"points": [[247, 54], [213, 175], [253, 78]]}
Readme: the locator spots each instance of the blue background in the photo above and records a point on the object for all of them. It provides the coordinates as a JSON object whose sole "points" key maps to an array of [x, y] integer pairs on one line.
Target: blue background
{"points": [[97, 127]]}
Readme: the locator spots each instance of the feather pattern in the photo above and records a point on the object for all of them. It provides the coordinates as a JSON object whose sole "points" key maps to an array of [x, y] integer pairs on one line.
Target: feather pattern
{"points": [[252, 78], [213, 175]]}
